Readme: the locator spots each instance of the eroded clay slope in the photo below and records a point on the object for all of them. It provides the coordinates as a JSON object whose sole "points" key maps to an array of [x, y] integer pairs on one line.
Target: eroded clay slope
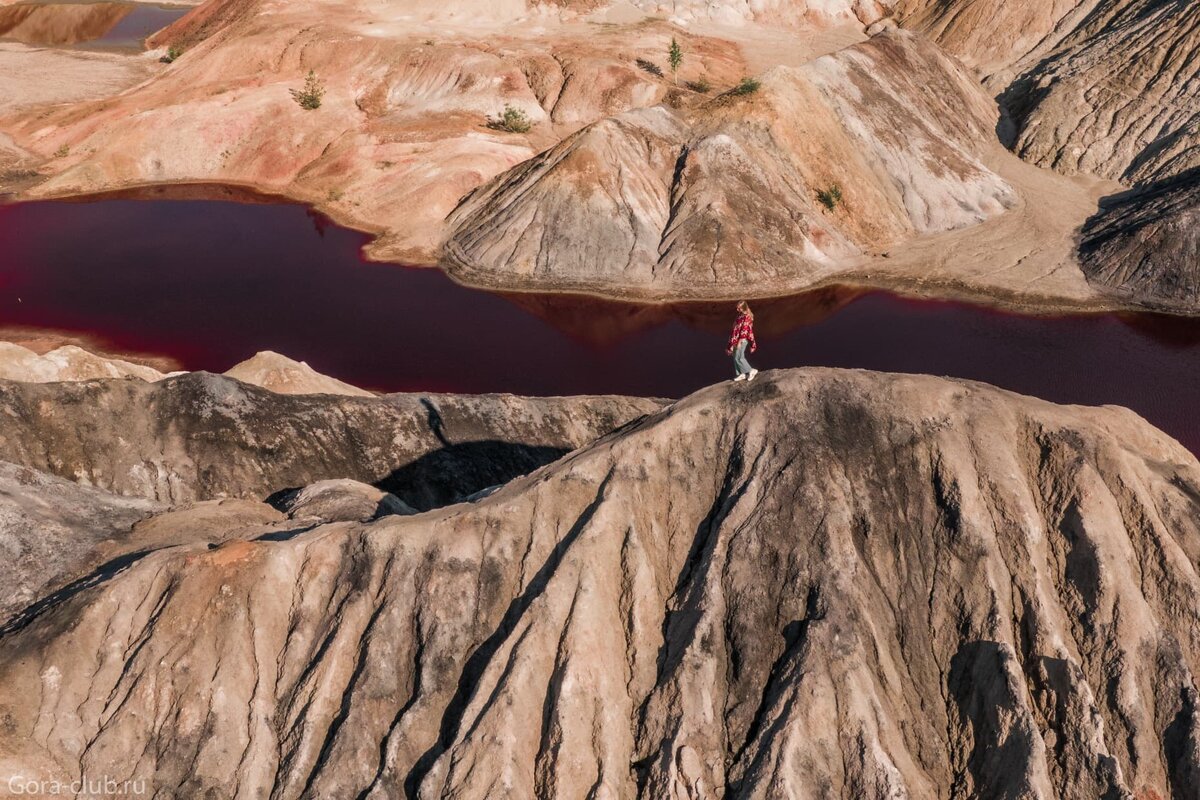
{"points": [[1096, 87], [204, 436], [1119, 97], [49, 524], [709, 203], [1145, 245], [1103, 87], [402, 131], [823, 583]]}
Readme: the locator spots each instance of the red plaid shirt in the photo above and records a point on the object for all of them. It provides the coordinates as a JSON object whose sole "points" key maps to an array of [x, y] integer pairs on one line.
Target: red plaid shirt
{"points": [[743, 329]]}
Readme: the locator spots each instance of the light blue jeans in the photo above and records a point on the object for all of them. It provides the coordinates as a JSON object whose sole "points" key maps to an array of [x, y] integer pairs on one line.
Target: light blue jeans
{"points": [[740, 364]]}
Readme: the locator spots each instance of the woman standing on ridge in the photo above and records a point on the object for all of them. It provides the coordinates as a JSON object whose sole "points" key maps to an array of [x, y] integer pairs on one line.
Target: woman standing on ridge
{"points": [[741, 338]]}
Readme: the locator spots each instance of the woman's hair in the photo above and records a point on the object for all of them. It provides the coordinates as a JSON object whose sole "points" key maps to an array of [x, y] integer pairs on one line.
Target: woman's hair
{"points": [[744, 307]]}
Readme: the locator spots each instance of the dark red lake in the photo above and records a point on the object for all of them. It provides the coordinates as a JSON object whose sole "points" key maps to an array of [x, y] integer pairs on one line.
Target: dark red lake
{"points": [[211, 282]]}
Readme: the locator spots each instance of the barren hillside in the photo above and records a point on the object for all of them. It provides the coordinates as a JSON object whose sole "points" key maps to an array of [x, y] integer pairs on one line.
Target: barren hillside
{"points": [[823, 583]]}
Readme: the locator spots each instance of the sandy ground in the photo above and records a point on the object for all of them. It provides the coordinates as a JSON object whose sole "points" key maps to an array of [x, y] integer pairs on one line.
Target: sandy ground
{"points": [[764, 48], [42, 76], [1024, 259], [35, 76]]}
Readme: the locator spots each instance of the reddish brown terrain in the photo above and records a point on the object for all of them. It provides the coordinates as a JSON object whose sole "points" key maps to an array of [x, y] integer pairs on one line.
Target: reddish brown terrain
{"points": [[819, 583], [721, 190]]}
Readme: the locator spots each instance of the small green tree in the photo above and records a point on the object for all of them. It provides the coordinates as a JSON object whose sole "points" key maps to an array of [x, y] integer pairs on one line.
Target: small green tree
{"points": [[831, 198], [173, 52], [747, 86], [675, 57], [513, 120], [310, 96]]}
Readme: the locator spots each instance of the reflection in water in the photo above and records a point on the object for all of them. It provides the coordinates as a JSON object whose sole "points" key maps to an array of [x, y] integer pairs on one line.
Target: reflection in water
{"points": [[107, 25], [1183, 332], [208, 282], [599, 321]]}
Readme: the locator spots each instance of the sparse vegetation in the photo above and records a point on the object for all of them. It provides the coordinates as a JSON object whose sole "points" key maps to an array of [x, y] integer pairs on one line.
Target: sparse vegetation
{"points": [[173, 52], [746, 86], [63, 151], [831, 197], [702, 86], [429, 42], [512, 119], [649, 66], [333, 195], [675, 58], [309, 98]]}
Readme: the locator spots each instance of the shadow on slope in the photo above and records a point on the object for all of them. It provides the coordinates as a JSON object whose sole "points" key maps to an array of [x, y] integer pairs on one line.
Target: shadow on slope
{"points": [[458, 471]]}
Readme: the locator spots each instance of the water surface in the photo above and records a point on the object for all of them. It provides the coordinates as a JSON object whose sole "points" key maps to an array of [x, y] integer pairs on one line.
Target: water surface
{"points": [[104, 25], [210, 282]]}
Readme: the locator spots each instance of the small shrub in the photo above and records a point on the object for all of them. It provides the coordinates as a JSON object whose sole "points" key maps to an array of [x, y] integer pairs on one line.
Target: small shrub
{"points": [[831, 198], [747, 86], [513, 120], [429, 42], [675, 58], [63, 151], [173, 52], [649, 66], [309, 98], [702, 86], [333, 195]]}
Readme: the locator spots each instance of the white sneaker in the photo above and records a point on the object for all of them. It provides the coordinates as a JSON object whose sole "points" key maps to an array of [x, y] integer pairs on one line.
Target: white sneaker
{"points": [[741, 377], [753, 372]]}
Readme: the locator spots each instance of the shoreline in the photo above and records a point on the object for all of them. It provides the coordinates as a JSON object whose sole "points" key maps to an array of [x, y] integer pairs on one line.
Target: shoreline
{"points": [[853, 277]]}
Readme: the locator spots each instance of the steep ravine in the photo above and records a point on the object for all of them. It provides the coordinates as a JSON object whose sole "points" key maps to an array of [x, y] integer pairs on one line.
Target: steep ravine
{"points": [[821, 584]]}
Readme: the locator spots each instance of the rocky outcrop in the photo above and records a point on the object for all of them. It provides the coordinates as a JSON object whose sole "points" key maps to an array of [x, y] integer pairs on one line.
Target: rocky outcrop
{"points": [[661, 204], [200, 436], [341, 500], [821, 583], [286, 376], [402, 137], [66, 363], [1143, 246], [48, 526]]}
